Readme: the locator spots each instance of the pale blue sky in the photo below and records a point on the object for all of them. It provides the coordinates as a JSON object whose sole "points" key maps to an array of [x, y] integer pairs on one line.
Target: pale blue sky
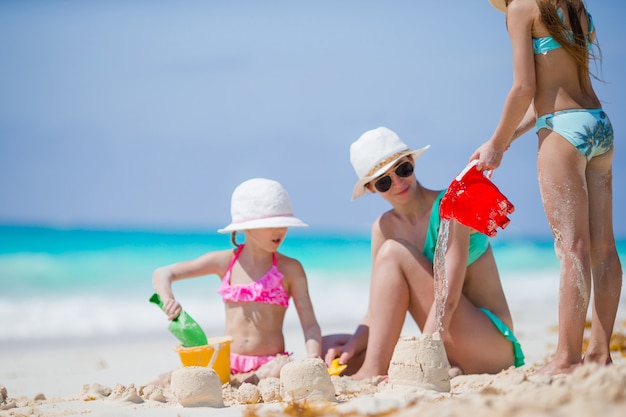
{"points": [[149, 113]]}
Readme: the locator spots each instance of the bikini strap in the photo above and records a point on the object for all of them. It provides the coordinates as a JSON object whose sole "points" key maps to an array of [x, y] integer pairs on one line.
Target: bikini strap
{"points": [[591, 26], [238, 251], [235, 256]]}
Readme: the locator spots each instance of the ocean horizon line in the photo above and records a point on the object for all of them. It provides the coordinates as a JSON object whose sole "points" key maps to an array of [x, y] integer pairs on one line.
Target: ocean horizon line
{"points": [[211, 229]]}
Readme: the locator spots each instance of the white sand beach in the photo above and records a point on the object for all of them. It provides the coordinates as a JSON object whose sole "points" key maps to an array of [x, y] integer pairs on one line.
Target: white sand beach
{"points": [[113, 380], [112, 377]]}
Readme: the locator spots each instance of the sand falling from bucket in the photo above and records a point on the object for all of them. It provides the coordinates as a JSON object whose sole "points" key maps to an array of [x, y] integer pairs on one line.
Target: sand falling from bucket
{"points": [[439, 274]]}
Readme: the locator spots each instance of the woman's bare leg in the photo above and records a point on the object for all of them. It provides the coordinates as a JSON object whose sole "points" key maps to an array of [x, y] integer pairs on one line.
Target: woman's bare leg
{"points": [[476, 346], [390, 293], [606, 266], [563, 187], [402, 281]]}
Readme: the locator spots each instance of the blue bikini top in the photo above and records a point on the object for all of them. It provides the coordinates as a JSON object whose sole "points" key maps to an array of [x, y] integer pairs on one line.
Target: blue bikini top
{"points": [[547, 43]]}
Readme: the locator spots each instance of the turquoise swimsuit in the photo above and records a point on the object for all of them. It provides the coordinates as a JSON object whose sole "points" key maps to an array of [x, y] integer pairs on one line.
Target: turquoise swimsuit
{"points": [[588, 130], [478, 244], [547, 43], [518, 355]]}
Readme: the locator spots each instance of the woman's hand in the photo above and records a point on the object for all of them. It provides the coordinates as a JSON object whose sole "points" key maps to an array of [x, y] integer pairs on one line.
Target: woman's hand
{"points": [[343, 349]]}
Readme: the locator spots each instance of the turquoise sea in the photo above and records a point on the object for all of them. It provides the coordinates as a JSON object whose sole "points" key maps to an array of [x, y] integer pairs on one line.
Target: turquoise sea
{"points": [[80, 283]]}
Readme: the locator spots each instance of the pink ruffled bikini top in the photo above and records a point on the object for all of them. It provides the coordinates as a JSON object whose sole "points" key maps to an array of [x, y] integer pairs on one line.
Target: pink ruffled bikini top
{"points": [[268, 289]]}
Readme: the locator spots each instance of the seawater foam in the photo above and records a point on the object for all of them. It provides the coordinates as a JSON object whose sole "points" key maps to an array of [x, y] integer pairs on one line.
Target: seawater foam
{"points": [[339, 306], [81, 316]]}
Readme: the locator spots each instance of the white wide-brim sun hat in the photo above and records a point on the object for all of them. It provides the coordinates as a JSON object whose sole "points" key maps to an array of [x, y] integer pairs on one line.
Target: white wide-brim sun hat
{"points": [[499, 4], [260, 203], [375, 152]]}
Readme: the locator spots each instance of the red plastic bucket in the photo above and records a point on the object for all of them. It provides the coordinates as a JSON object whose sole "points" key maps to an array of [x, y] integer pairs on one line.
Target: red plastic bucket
{"points": [[473, 200]]}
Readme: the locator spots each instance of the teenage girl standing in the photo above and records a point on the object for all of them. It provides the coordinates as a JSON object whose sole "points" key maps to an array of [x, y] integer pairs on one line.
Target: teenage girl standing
{"points": [[552, 44]]}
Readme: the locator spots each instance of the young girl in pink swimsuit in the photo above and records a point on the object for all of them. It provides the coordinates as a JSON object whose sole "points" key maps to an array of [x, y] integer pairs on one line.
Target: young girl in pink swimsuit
{"points": [[257, 282]]}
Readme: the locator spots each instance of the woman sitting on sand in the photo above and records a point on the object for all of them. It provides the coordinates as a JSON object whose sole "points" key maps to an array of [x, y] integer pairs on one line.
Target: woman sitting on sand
{"points": [[477, 325], [257, 282]]}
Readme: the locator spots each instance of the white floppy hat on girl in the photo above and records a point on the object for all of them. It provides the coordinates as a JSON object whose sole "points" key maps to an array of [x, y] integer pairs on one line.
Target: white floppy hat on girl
{"points": [[260, 203], [374, 153]]}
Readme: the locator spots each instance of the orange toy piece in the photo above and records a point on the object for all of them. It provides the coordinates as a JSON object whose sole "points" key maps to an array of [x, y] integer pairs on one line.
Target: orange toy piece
{"points": [[336, 369]]}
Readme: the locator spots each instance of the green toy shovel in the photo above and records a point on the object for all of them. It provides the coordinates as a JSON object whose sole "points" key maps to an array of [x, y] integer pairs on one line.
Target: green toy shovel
{"points": [[186, 329]]}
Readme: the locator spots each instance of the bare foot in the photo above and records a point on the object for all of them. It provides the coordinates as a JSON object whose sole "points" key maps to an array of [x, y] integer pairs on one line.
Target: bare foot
{"points": [[556, 368], [267, 370], [363, 374], [599, 358], [249, 377], [371, 379], [273, 367]]}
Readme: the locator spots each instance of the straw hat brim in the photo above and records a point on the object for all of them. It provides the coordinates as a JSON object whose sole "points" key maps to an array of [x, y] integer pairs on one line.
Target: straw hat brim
{"points": [[359, 188], [499, 4], [267, 222]]}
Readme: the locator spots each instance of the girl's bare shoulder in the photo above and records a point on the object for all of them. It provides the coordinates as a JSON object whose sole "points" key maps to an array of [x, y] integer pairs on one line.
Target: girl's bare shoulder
{"points": [[522, 6], [288, 266], [219, 260], [522, 12]]}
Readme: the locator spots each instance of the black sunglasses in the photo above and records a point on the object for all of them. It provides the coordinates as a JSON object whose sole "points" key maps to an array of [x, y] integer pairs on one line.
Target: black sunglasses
{"points": [[383, 184]]}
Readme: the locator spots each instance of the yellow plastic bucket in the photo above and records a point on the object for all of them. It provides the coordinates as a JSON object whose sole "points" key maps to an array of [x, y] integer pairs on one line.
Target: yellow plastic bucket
{"points": [[215, 354]]}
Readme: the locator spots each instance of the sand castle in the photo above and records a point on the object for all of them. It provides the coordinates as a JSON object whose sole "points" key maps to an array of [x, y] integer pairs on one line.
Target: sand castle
{"points": [[197, 386], [306, 380], [416, 363], [420, 362]]}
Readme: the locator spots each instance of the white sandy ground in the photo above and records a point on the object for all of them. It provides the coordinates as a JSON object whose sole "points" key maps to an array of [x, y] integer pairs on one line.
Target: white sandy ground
{"points": [[514, 392], [111, 378]]}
